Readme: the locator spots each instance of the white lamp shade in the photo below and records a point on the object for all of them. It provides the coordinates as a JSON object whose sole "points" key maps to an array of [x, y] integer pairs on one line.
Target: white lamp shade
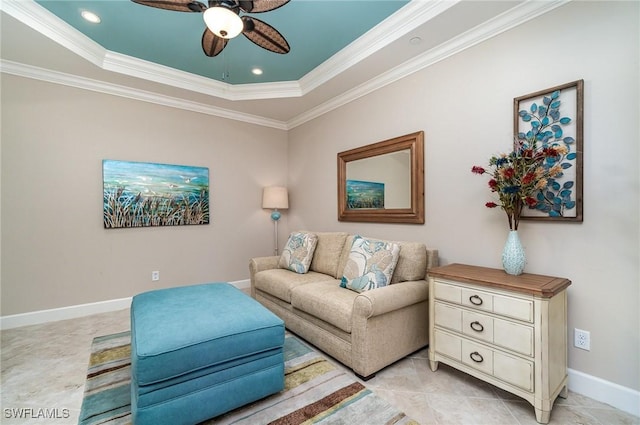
{"points": [[275, 197], [223, 22]]}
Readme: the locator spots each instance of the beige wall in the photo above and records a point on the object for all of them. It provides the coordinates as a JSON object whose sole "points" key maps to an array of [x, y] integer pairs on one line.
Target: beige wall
{"points": [[464, 105], [55, 251]]}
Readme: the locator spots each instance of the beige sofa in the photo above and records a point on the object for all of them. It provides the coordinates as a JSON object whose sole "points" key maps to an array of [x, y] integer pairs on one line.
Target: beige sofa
{"points": [[365, 331]]}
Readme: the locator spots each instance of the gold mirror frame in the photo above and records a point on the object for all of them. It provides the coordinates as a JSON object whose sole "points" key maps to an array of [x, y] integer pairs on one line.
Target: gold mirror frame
{"points": [[414, 142]]}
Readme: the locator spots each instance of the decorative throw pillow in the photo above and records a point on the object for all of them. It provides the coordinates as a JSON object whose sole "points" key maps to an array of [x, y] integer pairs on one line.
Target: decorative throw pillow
{"points": [[370, 264], [298, 252]]}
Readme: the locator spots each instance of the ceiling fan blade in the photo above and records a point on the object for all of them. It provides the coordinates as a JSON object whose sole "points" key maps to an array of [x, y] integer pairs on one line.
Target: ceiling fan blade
{"points": [[264, 35], [246, 5], [212, 44], [177, 5], [258, 6]]}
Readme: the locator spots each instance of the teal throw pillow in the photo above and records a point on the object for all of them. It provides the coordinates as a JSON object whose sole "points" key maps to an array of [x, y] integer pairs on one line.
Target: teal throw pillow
{"points": [[370, 265], [298, 252]]}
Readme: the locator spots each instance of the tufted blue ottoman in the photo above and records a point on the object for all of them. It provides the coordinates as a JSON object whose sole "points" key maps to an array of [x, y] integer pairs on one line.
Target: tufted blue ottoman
{"points": [[200, 351]]}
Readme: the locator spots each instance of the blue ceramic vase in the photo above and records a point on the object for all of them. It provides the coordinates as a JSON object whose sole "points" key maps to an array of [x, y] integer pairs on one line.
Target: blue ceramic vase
{"points": [[513, 257]]}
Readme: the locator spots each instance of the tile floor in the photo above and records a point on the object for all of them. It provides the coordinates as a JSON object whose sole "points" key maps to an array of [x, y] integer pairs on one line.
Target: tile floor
{"points": [[44, 367]]}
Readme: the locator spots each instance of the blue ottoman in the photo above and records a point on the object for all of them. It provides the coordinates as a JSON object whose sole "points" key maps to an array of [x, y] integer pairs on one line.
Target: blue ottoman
{"points": [[200, 351]]}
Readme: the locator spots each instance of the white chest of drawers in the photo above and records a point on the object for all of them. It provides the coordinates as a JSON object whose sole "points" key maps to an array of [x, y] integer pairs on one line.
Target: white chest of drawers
{"points": [[509, 331]]}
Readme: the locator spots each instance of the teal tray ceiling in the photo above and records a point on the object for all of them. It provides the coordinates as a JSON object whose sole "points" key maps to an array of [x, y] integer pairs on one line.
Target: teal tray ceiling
{"points": [[315, 30]]}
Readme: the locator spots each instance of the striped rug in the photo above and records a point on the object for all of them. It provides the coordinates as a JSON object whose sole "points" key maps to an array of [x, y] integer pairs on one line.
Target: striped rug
{"points": [[315, 391]]}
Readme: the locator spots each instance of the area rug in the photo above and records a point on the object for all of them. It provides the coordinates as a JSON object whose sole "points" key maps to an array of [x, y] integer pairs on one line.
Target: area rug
{"points": [[315, 391]]}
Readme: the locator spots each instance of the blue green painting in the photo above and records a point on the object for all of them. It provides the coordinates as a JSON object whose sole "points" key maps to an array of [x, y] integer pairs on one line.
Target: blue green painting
{"points": [[141, 194], [363, 194]]}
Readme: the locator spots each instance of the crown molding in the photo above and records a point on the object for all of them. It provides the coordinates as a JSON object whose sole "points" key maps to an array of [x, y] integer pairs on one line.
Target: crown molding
{"points": [[35, 16], [28, 71], [528, 10], [157, 73], [40, 19], [139, 68], [406, 19], [276, 90]]}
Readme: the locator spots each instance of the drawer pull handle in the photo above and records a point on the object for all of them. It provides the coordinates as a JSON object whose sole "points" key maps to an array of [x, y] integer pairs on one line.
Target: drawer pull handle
{"points": [[475, 300], [477, 326], [476, 357]]}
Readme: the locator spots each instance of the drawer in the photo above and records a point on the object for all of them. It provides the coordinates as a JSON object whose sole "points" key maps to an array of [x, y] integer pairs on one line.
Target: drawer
{"points": [[477, 356], [509, 335], [446, 292], [448, 345], [477, 325], [513, 307], [462, 350], [517, 308], [514, 370], [510, 369], [448, 317], [477, 299], [513, 336]]}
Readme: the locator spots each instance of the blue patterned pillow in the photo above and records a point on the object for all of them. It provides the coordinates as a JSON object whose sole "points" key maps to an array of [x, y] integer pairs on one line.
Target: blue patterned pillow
{"points": [[370, 265], [298, 252]]}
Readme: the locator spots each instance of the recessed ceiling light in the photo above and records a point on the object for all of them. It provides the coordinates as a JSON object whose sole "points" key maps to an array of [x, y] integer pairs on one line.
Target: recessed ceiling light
{"points": [[415, 40], [256, 71], [90, 17]]}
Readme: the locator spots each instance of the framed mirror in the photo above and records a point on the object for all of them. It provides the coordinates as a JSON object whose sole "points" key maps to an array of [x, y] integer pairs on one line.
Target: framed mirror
{"points": [[383, 182]]}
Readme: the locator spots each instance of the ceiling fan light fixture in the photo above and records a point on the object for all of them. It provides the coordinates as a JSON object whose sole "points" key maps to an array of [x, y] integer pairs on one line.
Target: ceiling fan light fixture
{"points": [[223, 22]]}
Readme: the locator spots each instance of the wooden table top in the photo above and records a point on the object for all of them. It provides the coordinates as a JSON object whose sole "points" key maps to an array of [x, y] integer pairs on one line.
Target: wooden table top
{"points": [[527, 283]]}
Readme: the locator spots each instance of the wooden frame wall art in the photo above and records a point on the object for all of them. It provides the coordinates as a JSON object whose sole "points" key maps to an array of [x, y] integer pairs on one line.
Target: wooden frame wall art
{"points": [[141, 194], [554, 117]]}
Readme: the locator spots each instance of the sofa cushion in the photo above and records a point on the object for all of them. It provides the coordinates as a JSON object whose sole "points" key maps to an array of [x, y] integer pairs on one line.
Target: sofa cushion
{"points": [[280, 282], [298, 252], [412, 262], [325, 300], [327, 255], [344, 256], [370, 265]]}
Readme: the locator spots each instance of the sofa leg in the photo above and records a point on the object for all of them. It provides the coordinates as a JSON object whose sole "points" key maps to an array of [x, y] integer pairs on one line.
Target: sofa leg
{"points": [[365, 378]]}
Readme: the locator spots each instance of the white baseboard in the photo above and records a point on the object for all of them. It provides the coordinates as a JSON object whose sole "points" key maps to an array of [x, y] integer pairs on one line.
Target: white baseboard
{"points": [[63, 313], [242, 284], [623, 398], [75, 311]]}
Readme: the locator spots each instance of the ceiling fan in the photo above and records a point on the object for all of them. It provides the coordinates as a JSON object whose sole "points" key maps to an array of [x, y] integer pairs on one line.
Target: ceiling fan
{"points": [[223, 21]]}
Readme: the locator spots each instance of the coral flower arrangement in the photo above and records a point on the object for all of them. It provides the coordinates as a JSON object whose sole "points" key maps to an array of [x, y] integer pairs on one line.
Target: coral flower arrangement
{"points": [[520, 177]]}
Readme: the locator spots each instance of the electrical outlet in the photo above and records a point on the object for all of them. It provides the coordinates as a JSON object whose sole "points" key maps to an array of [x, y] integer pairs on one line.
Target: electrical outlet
{"points": [[155, 275], [582, 339]]}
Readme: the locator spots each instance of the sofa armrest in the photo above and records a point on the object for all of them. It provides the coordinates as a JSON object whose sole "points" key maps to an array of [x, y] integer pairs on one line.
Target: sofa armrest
{"points": [[389, 298], [263, 263], [388, 323], [258, 264]]}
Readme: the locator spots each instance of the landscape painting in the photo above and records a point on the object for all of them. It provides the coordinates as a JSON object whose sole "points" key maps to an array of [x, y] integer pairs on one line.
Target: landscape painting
{"points": [[140, 194], [363, 194]]}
